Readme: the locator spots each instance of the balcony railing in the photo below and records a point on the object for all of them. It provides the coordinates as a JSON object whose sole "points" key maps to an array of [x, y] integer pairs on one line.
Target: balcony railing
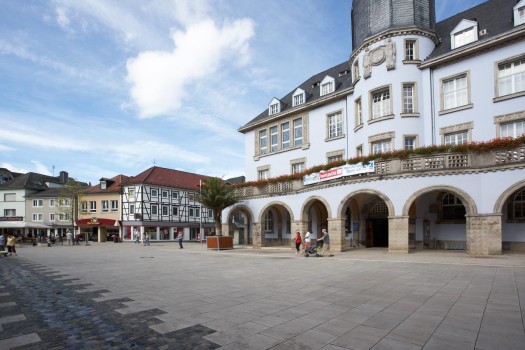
{"points": [[413, 165]]}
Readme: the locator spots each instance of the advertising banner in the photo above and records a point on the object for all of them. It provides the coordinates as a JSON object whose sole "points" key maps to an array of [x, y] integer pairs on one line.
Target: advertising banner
{"points": [[335, 173]]}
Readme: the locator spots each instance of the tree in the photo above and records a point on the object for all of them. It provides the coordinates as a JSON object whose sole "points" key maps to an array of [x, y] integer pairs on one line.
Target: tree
{"points": [[216, 195], [68, 201]]}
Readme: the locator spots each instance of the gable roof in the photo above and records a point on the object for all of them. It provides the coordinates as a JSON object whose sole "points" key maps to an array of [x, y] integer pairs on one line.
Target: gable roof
{"points": [[168, 178], [494, 16], [31, 181], [113, 185], [312, 90]]}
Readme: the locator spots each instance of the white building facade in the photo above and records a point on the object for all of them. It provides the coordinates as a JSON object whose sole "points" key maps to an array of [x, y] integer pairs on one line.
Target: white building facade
{"points": [[409, 84]]}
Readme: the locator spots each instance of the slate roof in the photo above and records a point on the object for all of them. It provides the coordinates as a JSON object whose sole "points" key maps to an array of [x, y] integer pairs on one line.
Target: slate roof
{"points": [[49, 193], [168, 178], [31, 181], [7, 174], [495, 16], [113, 185], [312, 92]]}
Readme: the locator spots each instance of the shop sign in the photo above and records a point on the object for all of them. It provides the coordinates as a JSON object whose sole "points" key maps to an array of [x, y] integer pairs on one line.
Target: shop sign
{"points": [[93, 221], [335, 173], [11, 218]]}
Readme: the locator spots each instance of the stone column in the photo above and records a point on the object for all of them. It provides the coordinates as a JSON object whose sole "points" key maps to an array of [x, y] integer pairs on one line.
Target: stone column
{"points": [[336, 229], [484, 234], [256, 235], [225, 229], [398, 234], [302, 227]]}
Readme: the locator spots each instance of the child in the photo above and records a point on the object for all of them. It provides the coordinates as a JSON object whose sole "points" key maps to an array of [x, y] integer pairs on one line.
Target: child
{"points": [[298, 241]]}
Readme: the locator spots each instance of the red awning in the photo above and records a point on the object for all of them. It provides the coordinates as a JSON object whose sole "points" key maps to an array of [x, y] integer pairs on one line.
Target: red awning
{"points": [[97, 222]]}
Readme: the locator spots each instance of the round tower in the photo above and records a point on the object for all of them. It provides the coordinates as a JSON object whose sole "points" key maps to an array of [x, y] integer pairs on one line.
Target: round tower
{"points": [[372, 17]]}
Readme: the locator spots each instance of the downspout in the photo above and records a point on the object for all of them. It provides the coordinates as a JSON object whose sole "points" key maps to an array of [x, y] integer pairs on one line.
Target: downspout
{"points": [[347, 130], [432, 109]]}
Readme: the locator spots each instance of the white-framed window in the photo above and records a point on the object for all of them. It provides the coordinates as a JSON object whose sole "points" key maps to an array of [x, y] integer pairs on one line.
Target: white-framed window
{"points": [[165, 194], [263, 173], [285, 135], [9, 212], [84, 206], [38, 203], [455, 91], [210, 213], [335, 124], [465, 33], [154, 209], [456, 138], [114, 205], [165, 210], [154, 193], [274, 139], [327, 85], [411, 50], [298, 97], [105, 205], [409, 142], [197, 213], [52, 217], [64, 202], [381, 104], [298, 165], [191, 212], [452, 209], [274, 109], [409, 98], [519, 13], [51, 202], [38, 216], [381, 146], [268, 221], [92, 206], [174, 210], [358, 113], [131, 209], [63, 217], [359, 151], [514, 128], [511, 77], [263, 142], [334, 158], [174, 194], [131, 192], [298, 131]]}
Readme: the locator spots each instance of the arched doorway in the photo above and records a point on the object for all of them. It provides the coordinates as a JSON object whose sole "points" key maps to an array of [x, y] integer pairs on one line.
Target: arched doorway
{"points": [[316, 212], [240, 226], [377, 224], [511, 206], [275, 226]]}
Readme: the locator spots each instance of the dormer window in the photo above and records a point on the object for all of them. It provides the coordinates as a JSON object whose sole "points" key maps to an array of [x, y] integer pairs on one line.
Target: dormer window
{"points": [[327, 85], [103, 185], [465, 33], [274, 107], [519, 13], [298, 97]]}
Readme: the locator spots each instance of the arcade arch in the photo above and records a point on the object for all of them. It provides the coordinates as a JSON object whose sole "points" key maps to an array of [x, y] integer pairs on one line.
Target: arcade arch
{"points": [[239, 225], [275, 220]]}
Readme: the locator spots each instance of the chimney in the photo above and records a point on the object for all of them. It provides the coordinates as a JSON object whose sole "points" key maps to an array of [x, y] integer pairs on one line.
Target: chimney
{"points": [[64, 177]]}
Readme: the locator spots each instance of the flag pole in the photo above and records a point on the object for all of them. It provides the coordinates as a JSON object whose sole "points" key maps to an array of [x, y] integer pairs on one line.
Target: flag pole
{"points": [[200, 209]]}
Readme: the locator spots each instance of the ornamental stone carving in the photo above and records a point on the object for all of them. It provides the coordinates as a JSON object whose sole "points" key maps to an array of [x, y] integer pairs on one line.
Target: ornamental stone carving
{"points": [[384, 53]]}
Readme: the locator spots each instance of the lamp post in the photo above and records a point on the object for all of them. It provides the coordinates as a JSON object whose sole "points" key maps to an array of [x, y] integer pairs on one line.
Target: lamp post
{"points": [[200, 210]]}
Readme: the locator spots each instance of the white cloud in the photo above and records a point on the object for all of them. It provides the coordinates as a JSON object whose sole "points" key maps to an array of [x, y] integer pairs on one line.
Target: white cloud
{"points": [[4, 148], [160, 80], [13, 168], [62, 18], [41, 168]]}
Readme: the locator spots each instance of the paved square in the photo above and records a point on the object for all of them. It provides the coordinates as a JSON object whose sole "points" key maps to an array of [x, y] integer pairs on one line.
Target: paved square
{"points": [[126, 296]]}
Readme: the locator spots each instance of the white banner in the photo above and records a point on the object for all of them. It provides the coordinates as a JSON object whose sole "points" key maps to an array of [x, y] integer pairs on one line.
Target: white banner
{"points": [[335, 173]]}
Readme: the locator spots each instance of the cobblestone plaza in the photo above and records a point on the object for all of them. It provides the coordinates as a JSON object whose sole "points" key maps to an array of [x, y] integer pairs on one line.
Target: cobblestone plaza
{"points": [[126, 296]]}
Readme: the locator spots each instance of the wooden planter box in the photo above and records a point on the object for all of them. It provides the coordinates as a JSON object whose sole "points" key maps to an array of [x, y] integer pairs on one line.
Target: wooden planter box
{"points": [[219, 242]]}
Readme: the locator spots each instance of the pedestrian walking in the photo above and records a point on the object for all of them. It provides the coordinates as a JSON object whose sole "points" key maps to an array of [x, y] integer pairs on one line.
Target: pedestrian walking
{"points": [[69, 237], [146, 239], [298, 240], [136, 236], [326, 242], [179, 238], [2, 245], [307, 240], [11, 243]]}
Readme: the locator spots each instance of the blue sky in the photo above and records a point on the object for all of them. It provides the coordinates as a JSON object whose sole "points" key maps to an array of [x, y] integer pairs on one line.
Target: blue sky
{"points": [[100, 87]]}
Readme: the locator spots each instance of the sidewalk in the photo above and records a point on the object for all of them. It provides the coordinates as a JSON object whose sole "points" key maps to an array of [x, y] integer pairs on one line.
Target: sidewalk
{"points": [[122, 296]]}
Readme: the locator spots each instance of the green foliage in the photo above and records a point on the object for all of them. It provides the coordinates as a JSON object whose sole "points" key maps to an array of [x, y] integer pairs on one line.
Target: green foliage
{"points": [[216, 195], [479, 147]]}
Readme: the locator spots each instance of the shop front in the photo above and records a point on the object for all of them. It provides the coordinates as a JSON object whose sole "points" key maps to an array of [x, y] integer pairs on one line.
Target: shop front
{"points": [[98, 229]]}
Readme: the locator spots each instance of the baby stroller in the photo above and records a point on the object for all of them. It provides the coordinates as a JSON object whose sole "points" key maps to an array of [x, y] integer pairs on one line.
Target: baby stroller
{"points": [[314, 250]]}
